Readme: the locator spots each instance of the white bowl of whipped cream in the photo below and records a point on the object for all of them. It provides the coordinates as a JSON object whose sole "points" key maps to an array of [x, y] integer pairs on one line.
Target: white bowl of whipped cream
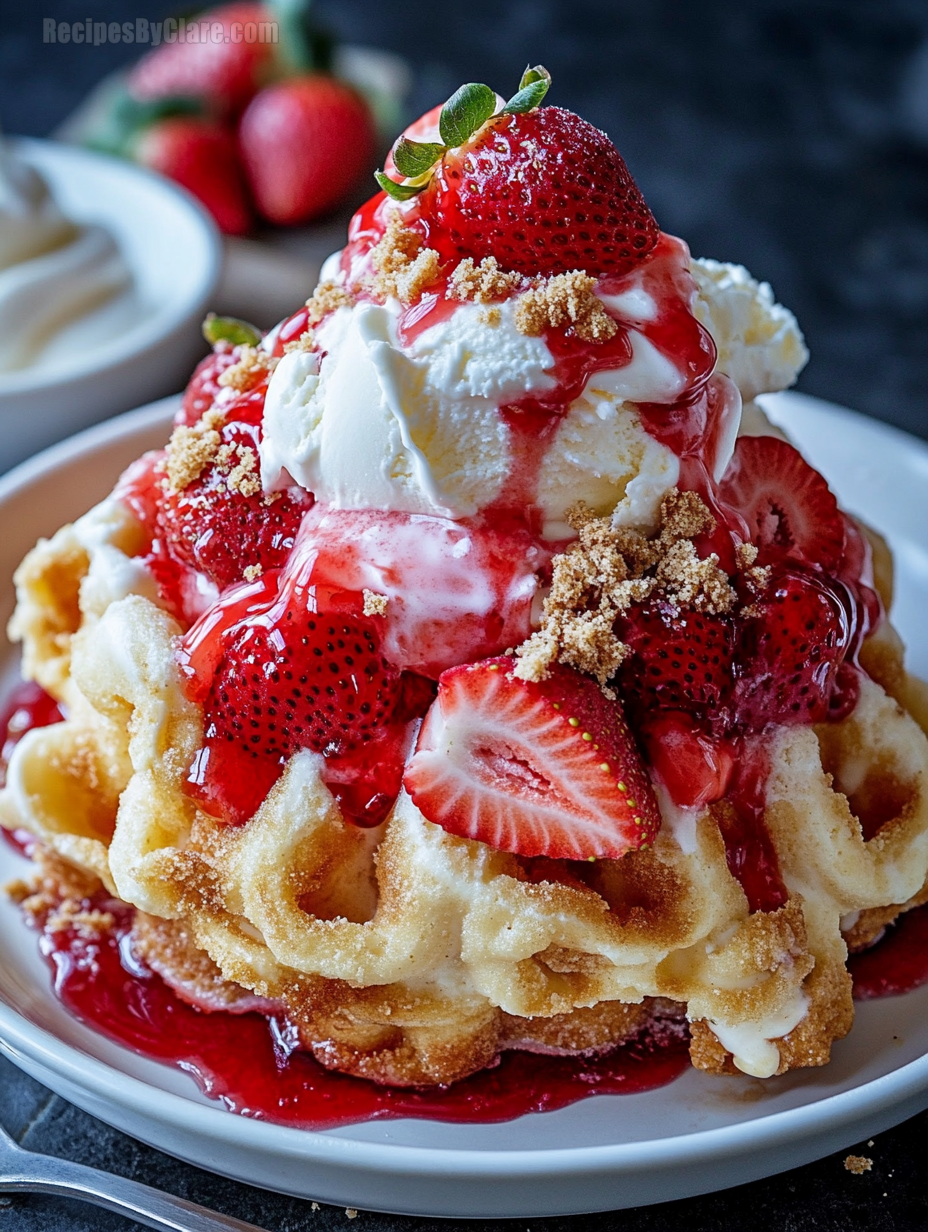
{"points": [[105, 273]]}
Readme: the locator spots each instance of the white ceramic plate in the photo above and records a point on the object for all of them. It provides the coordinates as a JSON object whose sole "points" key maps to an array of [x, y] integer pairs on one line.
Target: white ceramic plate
{"points": [[697, 1135], [173, 250]]}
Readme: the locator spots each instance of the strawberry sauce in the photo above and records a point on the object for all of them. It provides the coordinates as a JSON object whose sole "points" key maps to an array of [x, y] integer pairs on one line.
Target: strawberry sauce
{"points": [[249, 1064]]}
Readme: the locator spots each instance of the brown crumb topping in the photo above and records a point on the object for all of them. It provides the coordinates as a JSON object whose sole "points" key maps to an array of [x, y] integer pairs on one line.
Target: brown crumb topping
{"points": [[404, 267], [87, 922], [858, 1164], [563, 300], [192, 449], [481, 283], [249, 369], [610, 568], [374, 604], [240, 465], [305, 342], [490, 316], [325, 299], [58, 895], [756, 576]]}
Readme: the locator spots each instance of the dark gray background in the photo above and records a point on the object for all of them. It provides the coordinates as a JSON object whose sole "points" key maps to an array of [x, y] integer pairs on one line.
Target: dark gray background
{"points": [[790, 136]]}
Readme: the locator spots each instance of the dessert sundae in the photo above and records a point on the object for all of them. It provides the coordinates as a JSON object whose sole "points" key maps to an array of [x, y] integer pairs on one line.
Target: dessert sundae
{"points": [[477, 670]]}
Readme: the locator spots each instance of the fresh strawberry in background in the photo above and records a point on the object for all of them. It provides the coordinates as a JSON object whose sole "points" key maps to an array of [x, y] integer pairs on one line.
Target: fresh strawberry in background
{"points": [[223, 75], [305, 142], [201, 156]]}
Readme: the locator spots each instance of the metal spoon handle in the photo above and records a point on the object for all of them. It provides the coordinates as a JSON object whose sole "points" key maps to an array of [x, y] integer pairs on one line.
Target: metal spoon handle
{"points": [[43, 1174]]}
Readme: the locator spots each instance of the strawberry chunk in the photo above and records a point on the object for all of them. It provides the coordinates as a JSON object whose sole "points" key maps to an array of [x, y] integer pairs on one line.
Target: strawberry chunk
{"points": [[220, 527], [680, 660], [790, 652], [203, 389], [290, 678], [543, 192], [547, 769], [790, 510], [694, 768]]}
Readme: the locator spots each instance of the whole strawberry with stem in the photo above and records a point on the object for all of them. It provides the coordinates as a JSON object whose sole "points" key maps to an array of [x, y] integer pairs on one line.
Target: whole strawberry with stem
{"points": [[222, 73], [538, 188]]}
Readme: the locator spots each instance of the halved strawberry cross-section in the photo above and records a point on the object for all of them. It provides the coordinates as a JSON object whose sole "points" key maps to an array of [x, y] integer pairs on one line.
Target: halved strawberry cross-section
{"points": [[540, 769]]}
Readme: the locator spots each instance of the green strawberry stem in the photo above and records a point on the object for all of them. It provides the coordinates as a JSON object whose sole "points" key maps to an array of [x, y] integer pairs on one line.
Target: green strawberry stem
{"points": [[463, 115], [304, 46], [230, 329]]}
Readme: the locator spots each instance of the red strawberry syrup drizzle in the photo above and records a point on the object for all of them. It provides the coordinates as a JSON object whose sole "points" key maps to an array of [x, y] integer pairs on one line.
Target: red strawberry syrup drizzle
{"points": [[247, 1062]]}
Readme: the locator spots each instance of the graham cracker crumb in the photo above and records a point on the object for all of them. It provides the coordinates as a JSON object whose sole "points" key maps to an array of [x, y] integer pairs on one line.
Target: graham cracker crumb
{"points": [[374, 604], [251, 573], [244, 476], [490, 316], [481, 283], [858, 1164], [191, 449], [610, 568], [562, 300], [757, 577], [325, 299], [305, 342], [251, 367], [86, 922], [404, 268], [350, 1212]]}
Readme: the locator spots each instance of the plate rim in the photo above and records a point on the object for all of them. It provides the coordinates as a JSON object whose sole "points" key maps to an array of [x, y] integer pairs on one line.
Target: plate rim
{"points": [[20, 1038]]}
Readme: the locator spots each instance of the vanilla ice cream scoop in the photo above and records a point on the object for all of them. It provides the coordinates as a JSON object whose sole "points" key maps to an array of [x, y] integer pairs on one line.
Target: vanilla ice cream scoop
{"points": [[428, 421], [54, 274]]}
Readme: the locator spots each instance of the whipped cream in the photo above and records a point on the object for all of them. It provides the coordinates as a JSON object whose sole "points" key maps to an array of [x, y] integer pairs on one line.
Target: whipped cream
{"points": [[760, 344], [59, 282]]}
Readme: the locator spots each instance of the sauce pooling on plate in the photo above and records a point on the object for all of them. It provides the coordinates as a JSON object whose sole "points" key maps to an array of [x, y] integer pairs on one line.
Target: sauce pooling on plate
{"points": [[251, 1064]]}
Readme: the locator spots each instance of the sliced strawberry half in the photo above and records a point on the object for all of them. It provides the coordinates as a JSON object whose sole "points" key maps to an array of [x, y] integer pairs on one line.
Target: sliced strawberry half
{"points": [[680, 660], [790, 652], [547, 769], [790, 510]]}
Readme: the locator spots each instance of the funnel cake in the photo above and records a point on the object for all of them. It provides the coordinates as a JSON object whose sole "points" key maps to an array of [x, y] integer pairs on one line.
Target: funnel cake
{"points": [[476, 668]]}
